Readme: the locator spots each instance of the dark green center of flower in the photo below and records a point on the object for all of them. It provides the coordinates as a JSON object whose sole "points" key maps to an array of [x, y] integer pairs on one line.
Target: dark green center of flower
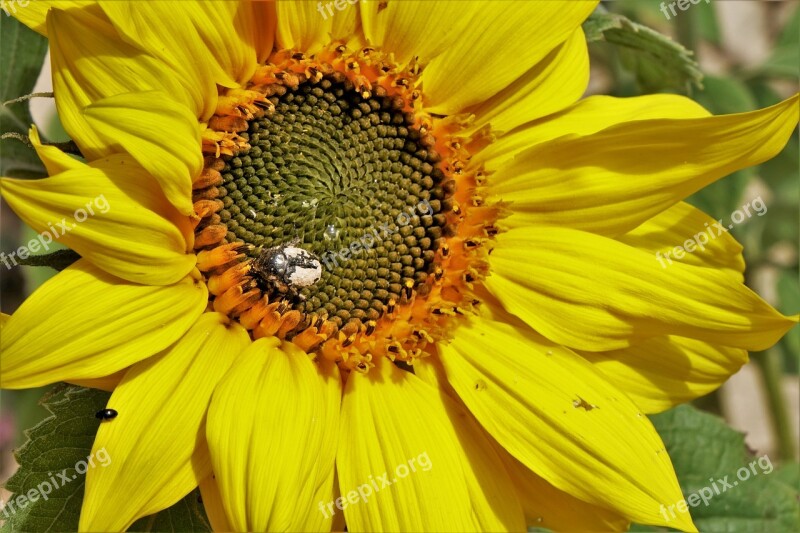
{"points": [[354, 182]]}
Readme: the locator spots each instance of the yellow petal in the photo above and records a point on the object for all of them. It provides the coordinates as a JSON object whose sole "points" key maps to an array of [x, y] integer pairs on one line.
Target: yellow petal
{"points": [[212, 503], [416, 28], [119, 224], [411, 459], [596, 294], [271, 430], [206, 43], [54, 160], [663, 372], [305, 26], [34, 13], [154, 441], [346, 24], [162, 136], [556, 82], [497, 49], [547, 507], [262, 20], [89, 64], [586, 117], [686, 226], [84, 323], [557, 415], [588, 182], [544, 506], [106, 383]]}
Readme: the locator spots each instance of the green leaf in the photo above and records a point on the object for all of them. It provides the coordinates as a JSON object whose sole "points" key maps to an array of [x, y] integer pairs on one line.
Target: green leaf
{"points": [[727, 489], [785, 59], [657, 61], [783, 63], [706, 25], [51, 462], [186, 515], [599, 22], [21, 56], [56, 446], [723, 95]]}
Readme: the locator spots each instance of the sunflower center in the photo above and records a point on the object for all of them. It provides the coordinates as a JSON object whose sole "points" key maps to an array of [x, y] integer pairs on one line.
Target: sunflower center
{"points": [[350, 180], [334, 213]]}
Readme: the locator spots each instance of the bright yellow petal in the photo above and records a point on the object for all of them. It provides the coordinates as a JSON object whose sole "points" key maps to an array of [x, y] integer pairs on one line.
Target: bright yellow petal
{"points": [[555, 83], [54, 160], [212, 503], [154, 440], [676, 227], [346, 25], [271, 430], [561, 418], [117, 224], [106, 383], [547, 507], [89, 65], [544, 505], [34, 13], [477, 66], [162, 136], [612, 181], [262, 19], [172, 39], [433, 469], [206, 43], [586, 117], [416, 28], [597, 294], [303, 25], [84, 323], [663, 372]]}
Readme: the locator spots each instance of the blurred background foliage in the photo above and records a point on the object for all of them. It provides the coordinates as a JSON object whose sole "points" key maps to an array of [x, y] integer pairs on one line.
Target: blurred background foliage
{"points": [[748, 52]]}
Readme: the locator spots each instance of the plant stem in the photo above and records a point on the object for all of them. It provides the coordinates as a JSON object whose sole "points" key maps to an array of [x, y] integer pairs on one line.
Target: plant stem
{"points": [[771, 365]]}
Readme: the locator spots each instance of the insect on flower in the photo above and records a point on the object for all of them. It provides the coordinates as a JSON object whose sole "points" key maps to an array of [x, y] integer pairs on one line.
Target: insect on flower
{"points": [[287, 268], [106, 414]]}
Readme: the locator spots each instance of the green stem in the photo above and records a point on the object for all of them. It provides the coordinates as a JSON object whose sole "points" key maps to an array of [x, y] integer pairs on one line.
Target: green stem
{"points": [[771, 365]]}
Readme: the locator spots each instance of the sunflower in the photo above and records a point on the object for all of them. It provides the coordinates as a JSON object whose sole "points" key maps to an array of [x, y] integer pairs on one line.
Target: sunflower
{"points": [[377, 264]]}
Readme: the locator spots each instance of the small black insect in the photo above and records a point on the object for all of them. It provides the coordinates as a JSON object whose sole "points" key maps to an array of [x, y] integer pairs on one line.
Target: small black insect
{"points": [[287, 268], [106, 414]]}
